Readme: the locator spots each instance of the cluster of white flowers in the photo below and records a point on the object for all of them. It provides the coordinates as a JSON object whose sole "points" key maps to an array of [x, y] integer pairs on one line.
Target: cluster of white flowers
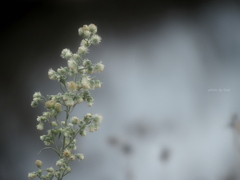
{"points": [[76, 81]]}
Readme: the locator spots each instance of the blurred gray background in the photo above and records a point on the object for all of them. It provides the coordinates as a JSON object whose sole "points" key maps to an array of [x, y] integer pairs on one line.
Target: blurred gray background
{"points": [[170, 88]]}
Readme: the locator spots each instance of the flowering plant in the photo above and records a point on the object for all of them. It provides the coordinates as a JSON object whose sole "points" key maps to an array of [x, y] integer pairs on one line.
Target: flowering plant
{"points": [[75, 82]]}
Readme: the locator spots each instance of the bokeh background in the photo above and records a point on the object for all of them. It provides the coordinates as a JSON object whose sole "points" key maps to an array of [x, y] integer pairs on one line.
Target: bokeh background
{"points": [[170, 94]]}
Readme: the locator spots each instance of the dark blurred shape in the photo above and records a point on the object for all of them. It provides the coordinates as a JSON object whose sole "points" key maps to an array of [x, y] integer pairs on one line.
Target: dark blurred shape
{"points": [[165, 155], [127, 148], [139, 128], [124, 146], [233, 121], [113, 141]]}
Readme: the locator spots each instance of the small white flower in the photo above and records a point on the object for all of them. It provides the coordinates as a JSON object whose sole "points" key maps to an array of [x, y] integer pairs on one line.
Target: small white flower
{"points": [[66, 54], [32, 175], [72, 64], [82, 50], [54, 124], [85, 82], [71, 86], [92, 28], [69, 102], [50, 169], [86, 34], [38, 163], [80, 31], [52, 74], [37, 95], [59, 162], [75, 120], [98, 84], [40, 126], [80, 156], [99, 67], [96, 39], [99, 118]]}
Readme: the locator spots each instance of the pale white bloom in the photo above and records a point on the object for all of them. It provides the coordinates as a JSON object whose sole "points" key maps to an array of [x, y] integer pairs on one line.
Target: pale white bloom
{"points": [[52, 74], [99, 67], [96, 39], [80, 31], [37, 95], [40, 126], [69, 102], [50, 169], [32, 175], [72, 64], [86, 34], [66, 153], [72, 158], [60, 162], [80, 156], [75, 120], [85, 82], [98, 84], [66, 54], [38, 163], [54, 124], [82, 50], [92, 28], [98, 118], [71, 86]]}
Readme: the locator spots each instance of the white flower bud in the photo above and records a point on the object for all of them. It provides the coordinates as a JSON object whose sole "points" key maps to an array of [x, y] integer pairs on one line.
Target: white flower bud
{"points": [[34, 104], [72, 64], [86, 34], [79, 99], [92, 28], [98, 118], [96, 39], [69, 102], [80, 31], [50, 169], [75, 120], [60, 162], [61, 70], [40, 126], [32, 175], [75, 57], [71, 86], [68, 169], [42, 137], [80, 156], [66, 153], [46, 143], [38, 163], [83, 133], [46, 114], [58, 107], [85, 27], [52, 74], [98, 84], [37, 95], [84, 43], [54, 124], [99, 67], [85, 82], [66, 54], [50, 104], [91, 128], [82, 50], [90, 104], [72, 158]]}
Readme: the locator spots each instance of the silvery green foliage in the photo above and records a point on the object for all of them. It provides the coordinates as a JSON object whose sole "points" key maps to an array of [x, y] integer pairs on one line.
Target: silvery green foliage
{"points": [[75, 81]]}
